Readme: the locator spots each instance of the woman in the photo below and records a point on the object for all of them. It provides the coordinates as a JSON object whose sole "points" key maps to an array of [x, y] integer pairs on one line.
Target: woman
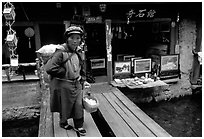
{"points": [[66, 68]]}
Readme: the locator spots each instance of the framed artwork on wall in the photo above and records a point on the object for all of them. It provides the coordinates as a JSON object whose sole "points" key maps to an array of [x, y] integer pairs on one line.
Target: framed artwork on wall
{"points": [[128, 57], [169, 62], [169, 67], [142, 65], [122, 67], [97, 63]]}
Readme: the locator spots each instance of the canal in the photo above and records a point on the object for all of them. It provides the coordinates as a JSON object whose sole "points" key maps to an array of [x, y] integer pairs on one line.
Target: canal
{"points": [[180, 117]]}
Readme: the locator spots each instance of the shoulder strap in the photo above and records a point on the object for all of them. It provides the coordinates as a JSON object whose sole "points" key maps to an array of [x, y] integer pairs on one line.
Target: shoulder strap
{"points": [[66, 57]]}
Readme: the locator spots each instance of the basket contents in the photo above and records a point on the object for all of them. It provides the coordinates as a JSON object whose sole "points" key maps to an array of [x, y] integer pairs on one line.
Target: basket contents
{"points": [[90, 101]]}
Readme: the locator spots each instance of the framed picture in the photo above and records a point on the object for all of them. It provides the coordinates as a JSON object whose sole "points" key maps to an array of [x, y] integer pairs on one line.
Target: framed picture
{"points": [[169, 62], [97, 63], [122, 67], [120, 57], [132, 60], [142, 65], [128, 57]]}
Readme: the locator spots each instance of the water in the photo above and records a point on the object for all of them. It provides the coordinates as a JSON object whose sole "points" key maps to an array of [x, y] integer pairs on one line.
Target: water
{"points": [[180, 117], [21, 128]]}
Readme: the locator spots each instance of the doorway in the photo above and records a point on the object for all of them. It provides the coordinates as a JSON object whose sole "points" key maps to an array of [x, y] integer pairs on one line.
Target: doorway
{"points": [[96, 51]]}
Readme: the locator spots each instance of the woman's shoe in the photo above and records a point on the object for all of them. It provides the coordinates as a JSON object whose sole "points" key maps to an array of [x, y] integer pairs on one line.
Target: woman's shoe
{"points": [[81, 131], [66, 126]]}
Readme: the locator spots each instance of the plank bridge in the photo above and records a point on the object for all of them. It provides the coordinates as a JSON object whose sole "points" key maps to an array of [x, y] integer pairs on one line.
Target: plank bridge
{"points": [[121, 115]]}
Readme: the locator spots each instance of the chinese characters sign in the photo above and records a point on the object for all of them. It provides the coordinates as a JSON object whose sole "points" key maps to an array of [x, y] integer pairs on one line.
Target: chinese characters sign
{"points": [[143, 13]]}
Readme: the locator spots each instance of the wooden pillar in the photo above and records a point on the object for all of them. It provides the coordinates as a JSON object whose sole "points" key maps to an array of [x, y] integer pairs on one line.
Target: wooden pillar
{"points": [[109, 50], [173, 38], [37, 36]]}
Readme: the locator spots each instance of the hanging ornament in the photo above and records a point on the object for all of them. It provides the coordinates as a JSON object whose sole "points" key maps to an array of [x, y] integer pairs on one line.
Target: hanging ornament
{"points": [[11, 38], [9, 12], [29, 32]]}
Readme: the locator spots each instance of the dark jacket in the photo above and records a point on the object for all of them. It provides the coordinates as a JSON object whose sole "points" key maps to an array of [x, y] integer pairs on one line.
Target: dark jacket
{"points": [[66, 96]]}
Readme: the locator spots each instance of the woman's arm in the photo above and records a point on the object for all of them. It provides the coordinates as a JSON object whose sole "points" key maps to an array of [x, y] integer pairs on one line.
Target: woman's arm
{"points": [[54, 66]]}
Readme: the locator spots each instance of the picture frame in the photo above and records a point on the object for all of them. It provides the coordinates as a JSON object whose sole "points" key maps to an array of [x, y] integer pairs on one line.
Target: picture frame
{"points": [[132, 60], [97, 63], [128, 57], [120, 57], [169, 62], [122, 67], [142, 65]]}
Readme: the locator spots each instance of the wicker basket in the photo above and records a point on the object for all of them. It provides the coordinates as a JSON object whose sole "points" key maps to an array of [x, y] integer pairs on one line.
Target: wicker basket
{"points": [[90, 108]]}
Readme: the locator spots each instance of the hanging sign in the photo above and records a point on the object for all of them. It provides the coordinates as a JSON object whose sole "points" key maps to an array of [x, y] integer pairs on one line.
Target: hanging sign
{"points": [[142, 13], [9, 12]]}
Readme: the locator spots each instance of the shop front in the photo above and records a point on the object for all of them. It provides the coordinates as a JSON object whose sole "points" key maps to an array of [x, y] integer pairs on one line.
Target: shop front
{"points": [[141, 36]]}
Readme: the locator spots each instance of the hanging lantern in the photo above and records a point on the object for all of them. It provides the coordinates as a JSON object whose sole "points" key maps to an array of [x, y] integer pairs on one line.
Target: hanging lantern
{"points": [[9, 12], [102, 7], [29, 32], [11, 38], [14, 60]]}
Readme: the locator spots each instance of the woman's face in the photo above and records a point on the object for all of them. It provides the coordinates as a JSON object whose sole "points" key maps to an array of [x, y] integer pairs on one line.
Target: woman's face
{"points": [[73, 41]]}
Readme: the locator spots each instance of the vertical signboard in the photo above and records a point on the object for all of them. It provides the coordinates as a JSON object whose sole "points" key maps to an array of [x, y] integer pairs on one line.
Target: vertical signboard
{"points": [[109, 50]]}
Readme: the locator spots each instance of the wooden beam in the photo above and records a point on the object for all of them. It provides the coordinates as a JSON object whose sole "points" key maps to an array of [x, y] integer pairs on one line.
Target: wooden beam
{"points": [[20, 64], [37, 36], [142, 21], [30, 23], [109, 49], [173, 37], [46, 117]]}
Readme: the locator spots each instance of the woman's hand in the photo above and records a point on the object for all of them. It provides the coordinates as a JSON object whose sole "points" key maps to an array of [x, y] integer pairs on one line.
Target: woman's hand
{"points": [[87, 85]]}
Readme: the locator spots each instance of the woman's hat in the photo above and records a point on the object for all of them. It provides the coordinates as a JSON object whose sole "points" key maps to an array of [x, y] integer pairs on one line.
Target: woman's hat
{"points": [[73, 30]]}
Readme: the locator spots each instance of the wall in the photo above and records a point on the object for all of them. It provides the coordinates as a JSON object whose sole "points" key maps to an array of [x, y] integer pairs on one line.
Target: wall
{"points": [[187, 41]]}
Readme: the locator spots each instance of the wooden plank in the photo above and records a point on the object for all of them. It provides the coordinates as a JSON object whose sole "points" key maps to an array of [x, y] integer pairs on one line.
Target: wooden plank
{"points": [[49, 117], [43, 109], [150, 123], [20, 64], [116, 123], [90, 126], [135, 124], [46, 123], [58, 131]]}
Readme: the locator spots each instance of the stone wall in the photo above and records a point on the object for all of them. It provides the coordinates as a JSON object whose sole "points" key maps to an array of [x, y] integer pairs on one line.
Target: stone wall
{"points": [[20, 101], [187, 42]]}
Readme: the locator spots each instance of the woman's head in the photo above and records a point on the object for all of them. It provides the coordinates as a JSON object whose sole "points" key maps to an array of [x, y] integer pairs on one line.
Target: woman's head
{"points": [[73, 35], [73, 41]]}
